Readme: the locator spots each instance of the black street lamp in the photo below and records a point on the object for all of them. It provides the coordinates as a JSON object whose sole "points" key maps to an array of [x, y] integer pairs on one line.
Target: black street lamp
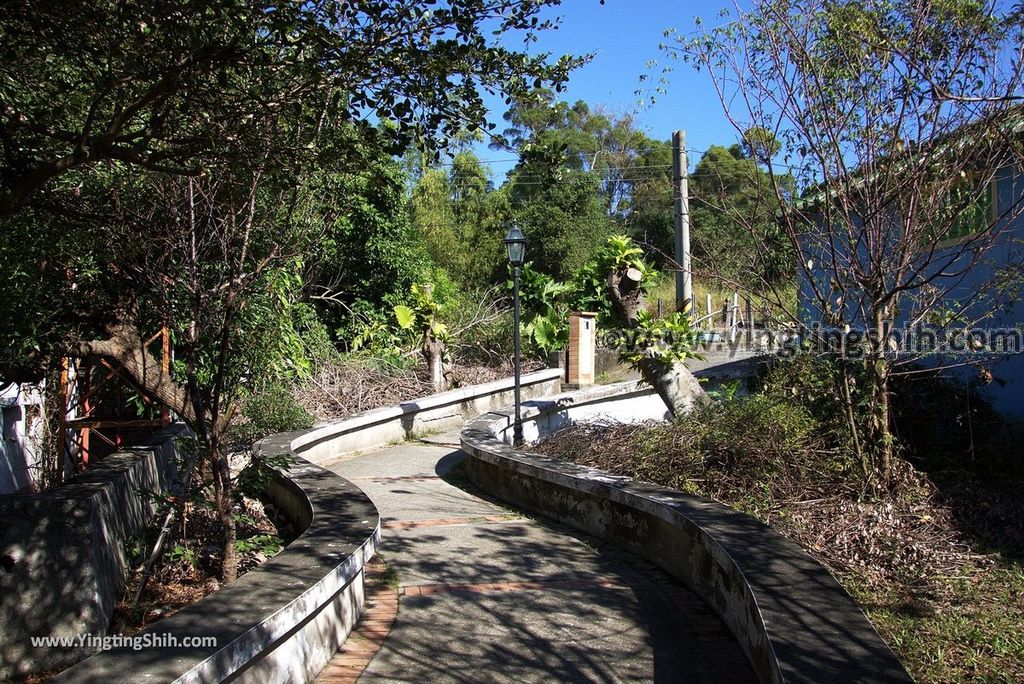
{"points": [[515, 243]]}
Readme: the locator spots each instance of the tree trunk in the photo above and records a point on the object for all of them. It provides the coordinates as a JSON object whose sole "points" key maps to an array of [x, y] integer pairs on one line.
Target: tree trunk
{"points": [[881, 430], [224, 492], [845, 382], [626, 294], [433, 352], [676, 385], [125, 346]]}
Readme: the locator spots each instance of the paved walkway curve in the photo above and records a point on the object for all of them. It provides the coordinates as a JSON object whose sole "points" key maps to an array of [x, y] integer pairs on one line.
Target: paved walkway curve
{"points": [[488, 595]]}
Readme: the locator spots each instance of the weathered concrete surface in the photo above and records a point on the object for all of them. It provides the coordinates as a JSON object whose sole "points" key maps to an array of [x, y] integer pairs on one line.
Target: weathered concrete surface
{"points": [[62, 557], [281, 622], [510, 599], [794, 621]]}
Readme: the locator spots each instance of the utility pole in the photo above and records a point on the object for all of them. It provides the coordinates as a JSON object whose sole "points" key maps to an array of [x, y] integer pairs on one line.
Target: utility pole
{"points": [[680, 186]]}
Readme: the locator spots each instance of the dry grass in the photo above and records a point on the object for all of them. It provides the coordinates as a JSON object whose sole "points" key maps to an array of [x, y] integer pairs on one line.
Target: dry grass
{"points": [[354, 385], [932, 566]]}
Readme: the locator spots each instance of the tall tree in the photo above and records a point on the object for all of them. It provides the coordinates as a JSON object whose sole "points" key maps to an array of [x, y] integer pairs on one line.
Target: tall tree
{"points": [[580, 138], [237, 97], [364, 248], [461, 218], [562, 213], [736, 238], [159, 85], [897, 118]]}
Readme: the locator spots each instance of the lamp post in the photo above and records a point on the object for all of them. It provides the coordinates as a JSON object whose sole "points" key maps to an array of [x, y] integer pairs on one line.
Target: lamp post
{"points": [[515, 243]]}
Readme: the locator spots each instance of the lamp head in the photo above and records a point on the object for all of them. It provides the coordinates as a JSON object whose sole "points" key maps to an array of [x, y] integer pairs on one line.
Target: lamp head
{"points": [[515, 243]]}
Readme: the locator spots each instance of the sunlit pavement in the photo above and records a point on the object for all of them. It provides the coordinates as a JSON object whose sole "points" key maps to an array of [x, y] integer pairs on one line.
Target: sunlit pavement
{"points": [[488, 595]]}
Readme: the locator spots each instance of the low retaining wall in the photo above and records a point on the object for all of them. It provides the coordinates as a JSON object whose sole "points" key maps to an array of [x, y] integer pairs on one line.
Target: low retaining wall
{"points": [[442, 411], [794, 621], [283, 621], [62, 556]]}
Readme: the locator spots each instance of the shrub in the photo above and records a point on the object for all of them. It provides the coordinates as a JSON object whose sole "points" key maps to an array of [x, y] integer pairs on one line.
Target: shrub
{"points": [[755, 451], [815, 383], [269, 411]]}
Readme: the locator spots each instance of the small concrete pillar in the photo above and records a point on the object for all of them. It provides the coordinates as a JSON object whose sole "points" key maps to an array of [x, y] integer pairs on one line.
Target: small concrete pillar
{"points": [[582, 348]]}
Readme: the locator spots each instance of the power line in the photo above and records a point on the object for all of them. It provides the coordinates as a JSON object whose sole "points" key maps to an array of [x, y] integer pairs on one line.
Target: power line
{"points": [[691, 150]]}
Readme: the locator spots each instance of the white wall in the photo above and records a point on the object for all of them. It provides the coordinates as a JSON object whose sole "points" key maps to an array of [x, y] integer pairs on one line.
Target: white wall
{"points": [[21, 424]]}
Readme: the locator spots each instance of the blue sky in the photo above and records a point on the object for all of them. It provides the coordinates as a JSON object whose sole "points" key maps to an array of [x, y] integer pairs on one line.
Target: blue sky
{"points": [[624, 35]]}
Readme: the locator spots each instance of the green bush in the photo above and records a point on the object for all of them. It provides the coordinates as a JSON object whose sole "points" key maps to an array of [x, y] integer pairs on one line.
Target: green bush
{"points": [[815, 384], [272, 410]]}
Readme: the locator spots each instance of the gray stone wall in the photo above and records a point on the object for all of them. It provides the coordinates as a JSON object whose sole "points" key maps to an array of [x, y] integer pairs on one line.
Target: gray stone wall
{"points": [[62, 558]]}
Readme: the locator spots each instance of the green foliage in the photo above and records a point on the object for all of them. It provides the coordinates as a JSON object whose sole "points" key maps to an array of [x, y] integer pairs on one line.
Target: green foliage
{"points": [[562, 214], [735, 233], [544, 309], [461, 219], [422, 316], [547, 302], [280, 321], [651, 219], [405, 317], [255, 478], [187, 81], [727, 392], [757, 434], [371, 329], [566, 138], [56, 280], [590, 282], [815, 383], [180, 553], [369, 250], [753, 452], [666, 341], [266, 544], [269, 411]]}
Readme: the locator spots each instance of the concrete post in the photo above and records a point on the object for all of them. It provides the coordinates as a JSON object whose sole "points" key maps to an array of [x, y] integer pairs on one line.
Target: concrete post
{"points": [[582, 348]]}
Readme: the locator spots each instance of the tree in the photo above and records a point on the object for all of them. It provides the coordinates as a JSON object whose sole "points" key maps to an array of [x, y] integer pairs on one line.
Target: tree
{"points": [[657, 348], [735, 236], [367, 251], [222, 267], [562, 214], [581, 138], [159, 86], [651, 217], [211, 118], [461, 219], [897, 117]]}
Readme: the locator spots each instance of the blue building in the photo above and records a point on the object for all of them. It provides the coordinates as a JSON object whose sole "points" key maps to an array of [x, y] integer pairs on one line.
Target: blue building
{"points": [[968, 319]]}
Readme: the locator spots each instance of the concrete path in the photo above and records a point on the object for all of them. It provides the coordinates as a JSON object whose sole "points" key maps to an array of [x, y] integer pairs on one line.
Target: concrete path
{"points": [[487, 595]]}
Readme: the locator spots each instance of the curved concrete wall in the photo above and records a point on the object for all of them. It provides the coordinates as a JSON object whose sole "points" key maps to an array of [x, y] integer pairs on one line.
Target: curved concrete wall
{"points": [[442, 411], [795, 622], [283, 621]]}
